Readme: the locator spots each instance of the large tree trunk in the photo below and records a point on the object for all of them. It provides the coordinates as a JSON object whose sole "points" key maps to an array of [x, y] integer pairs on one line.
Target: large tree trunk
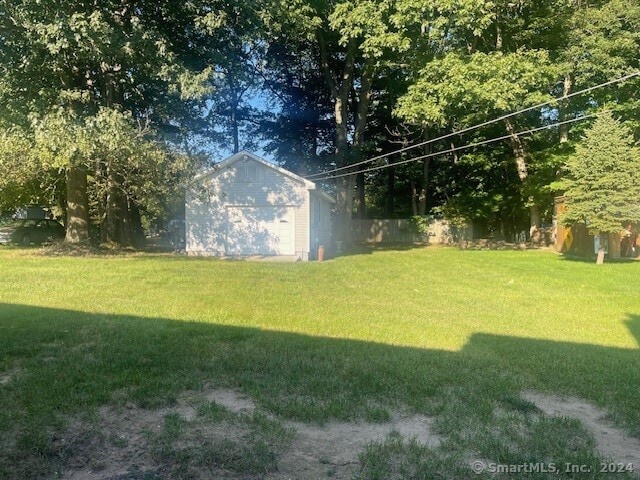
{"points": [[601, 252], [523, 174], [346, 184], [77, 228], [344, 209], [77, 206], [422, 196], [347, 145], [564, 105], [121, 223]]}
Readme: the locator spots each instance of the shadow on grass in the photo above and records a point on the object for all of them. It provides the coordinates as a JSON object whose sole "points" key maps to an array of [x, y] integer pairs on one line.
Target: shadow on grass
{"points": [[56, 362], [370, 248], [485, 245]]}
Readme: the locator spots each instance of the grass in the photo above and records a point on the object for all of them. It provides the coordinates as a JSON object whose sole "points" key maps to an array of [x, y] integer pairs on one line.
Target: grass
{"points": [[254, 451], [449, 333]]}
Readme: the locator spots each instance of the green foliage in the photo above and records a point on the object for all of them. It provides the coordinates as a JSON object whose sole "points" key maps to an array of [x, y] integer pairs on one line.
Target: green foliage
{"points": [[602, 187], [602, 41], [15, 152], [487, 59], [368, 21], [72, 53], [85, 82], [489, 83], [482, 186], [24, 178], [190, 71], [419, 226]]}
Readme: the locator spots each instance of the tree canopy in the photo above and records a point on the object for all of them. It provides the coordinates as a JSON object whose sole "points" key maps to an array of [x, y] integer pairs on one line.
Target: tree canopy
{"points": [[105, 108], [602, 188]]}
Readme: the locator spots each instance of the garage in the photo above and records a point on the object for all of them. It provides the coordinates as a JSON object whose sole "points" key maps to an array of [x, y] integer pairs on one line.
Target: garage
{"points": [[247, 206], [266, 230]]}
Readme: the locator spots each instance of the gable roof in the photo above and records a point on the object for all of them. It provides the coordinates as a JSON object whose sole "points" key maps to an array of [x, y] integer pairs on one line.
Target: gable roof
{"points": [[244, 155]]}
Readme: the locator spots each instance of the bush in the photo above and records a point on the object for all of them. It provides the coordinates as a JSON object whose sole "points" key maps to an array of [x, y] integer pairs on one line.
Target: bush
{"points": [[419, 226]]}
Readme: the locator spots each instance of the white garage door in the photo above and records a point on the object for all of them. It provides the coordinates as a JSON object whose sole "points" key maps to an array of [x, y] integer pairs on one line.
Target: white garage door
{"points": [[260, 230]]}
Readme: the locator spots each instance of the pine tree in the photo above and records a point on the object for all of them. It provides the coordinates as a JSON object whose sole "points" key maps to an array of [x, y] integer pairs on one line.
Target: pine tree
{"points": [[603, 185]]}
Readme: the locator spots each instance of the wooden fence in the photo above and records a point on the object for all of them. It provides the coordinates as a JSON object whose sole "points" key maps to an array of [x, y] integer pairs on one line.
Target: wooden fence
{"points": [[397, 231]]}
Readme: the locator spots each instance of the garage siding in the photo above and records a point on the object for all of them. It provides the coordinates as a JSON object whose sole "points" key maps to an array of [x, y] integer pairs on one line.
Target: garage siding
{"points": [[205, 228], [260, 230], [320, 222], [302, 219], [244, 183]]}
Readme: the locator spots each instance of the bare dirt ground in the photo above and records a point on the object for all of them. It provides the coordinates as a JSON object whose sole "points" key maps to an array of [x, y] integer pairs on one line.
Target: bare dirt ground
{"points": [[611, 442], [118, 444]]}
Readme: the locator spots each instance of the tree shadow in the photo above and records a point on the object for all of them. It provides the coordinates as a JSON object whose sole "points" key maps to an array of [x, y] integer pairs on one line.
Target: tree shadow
{"points": [[54, 363], [370, 248]]}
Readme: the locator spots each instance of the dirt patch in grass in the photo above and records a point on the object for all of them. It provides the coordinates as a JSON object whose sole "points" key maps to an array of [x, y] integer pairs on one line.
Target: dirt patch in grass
{"points": [[331, 450], [7, 376], [114, 446], [220, 433], [223, 434], [611, 442], [231, 400]]}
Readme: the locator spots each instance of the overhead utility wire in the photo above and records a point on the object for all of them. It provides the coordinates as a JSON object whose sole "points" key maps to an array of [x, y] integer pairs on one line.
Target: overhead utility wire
{"points": [[474, 127], [462, 147]]}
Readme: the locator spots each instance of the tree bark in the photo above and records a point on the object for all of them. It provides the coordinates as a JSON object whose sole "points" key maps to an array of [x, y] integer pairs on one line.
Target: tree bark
{"points": [[362, 111], [566, 90], [422, 197], [523, 175], [341, 89], [346, 184], [77, 206], [77, 228], [414, 199], [518, 151]]}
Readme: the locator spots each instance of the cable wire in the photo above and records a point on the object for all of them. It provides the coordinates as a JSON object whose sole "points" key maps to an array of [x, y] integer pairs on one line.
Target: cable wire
{"points": [[462, 147], [474, 127]]}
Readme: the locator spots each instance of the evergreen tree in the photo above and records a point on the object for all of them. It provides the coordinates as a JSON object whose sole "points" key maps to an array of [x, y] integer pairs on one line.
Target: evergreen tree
{"points": [[603, 187]]}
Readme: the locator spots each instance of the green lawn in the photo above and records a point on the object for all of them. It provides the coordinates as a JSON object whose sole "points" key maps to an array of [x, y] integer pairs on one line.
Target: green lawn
{"points": [[453, 334]]}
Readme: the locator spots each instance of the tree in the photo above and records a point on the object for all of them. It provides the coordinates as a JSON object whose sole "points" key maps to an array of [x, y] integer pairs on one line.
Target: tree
{"points": [[24, 179], [471, 88], [64, 61], [300, 133], [229, 46], [602, 188], [349, 42]]}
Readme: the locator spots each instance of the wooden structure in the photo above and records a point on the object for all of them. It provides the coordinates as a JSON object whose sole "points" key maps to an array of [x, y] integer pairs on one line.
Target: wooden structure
{"points": [[578, 240]]}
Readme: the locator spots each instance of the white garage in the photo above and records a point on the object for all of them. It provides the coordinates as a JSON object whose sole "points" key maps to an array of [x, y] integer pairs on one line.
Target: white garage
{"points": [[247, 206]]}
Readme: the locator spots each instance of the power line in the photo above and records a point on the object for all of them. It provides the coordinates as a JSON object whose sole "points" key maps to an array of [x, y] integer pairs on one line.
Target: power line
{"points": [[474, 127], [470, 145]]}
